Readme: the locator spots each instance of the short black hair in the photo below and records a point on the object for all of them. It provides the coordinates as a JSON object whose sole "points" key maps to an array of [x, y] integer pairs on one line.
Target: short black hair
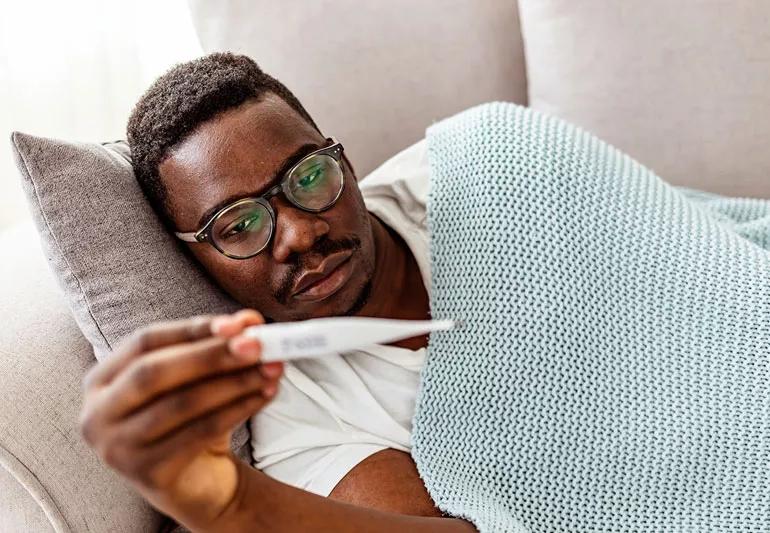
{"points": [[183, 98]]}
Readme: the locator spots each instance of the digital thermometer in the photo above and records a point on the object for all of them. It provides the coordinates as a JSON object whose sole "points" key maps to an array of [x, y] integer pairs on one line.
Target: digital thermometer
{"points": [[285, 341]]}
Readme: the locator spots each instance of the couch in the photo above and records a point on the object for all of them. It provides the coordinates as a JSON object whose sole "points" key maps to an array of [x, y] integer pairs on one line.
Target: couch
{"points": [[682, 89]]}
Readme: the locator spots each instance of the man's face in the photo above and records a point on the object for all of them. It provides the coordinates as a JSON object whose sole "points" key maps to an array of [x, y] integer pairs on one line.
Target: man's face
{"points": [[237, 154]]}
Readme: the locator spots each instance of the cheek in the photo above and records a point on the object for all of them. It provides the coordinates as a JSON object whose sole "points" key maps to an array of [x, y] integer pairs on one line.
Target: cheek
{"points": [[358, 223], [236, 277], [353, 217]]}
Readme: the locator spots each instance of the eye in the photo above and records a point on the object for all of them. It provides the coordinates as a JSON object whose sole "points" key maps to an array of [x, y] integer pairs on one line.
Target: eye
{"points": [[312, 176], [249, 223]]}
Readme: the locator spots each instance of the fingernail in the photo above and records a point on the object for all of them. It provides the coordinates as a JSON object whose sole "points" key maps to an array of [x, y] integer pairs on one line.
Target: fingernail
{"points": [[269, 390], [245, 348], [272, 370]]}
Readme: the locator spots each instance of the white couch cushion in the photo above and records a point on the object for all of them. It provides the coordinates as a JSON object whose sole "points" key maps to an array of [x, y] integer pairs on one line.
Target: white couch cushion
{"points": [[47, 473], [681, 86]]}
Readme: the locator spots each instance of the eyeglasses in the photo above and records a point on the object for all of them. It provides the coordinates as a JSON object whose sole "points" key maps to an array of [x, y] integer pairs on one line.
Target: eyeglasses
{"points": [[244, 228]]}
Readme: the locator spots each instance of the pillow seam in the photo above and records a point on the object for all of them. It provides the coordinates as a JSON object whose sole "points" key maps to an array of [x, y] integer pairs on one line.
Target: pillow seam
{"points": [[58, 246]]}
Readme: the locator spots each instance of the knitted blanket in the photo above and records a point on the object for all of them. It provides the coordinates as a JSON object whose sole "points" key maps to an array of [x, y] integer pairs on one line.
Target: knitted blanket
{"points": [[613, 371]]}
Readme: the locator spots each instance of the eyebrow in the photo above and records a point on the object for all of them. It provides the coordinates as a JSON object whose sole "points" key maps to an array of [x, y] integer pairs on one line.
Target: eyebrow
{"points": [[284, 167]]}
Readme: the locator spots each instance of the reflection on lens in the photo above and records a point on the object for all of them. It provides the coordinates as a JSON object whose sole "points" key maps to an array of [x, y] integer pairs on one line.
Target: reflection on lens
{"points": [[316, 183], [243, 230]]}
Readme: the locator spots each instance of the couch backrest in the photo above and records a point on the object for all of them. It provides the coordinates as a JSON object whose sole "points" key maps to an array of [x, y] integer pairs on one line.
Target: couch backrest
{"points": [[684, 86], [681, 86], [375, 74]]}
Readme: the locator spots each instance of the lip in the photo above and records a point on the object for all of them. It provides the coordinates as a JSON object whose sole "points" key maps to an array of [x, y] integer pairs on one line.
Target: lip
{"points": [[333, 272]]}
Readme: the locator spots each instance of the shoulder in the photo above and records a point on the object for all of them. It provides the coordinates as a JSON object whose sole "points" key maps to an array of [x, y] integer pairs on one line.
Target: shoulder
{"points": [[399, 187], [408, 166]]}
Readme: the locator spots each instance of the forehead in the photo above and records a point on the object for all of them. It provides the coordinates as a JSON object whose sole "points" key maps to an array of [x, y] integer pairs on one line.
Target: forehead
{"points": [[234, 154]]}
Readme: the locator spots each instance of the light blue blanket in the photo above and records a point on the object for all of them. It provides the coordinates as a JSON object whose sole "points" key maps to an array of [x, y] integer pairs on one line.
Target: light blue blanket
{"points": [[613, 373]]}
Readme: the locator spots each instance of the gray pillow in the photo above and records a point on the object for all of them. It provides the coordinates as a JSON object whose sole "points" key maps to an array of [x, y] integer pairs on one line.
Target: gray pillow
{"points": [[118, 267]]}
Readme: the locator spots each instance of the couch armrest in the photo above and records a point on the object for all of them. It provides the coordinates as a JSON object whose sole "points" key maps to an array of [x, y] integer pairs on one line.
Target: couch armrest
{"points": [[55, 482]]}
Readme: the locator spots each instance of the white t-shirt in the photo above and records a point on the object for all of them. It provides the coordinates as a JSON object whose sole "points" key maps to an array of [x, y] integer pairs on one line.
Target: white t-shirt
{"points": [[333, 412]]}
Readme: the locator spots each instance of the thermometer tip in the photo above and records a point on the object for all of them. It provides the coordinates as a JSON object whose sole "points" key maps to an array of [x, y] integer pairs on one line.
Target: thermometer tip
{"points": [[449, 324]]}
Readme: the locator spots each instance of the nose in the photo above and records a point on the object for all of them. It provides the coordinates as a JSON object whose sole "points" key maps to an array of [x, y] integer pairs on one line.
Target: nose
{"points": [[296, 231]]}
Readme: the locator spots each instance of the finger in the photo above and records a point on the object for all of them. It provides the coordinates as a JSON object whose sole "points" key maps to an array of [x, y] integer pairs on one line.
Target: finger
{"points": [[239, 343], [170, 368], [176, 448], [244, 346], [230, 325], [173, 410], [272, 371], [156, 335]]}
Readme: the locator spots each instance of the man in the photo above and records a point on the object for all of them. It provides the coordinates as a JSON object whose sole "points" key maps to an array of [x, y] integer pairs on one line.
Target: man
{"points": [[273, 211]]}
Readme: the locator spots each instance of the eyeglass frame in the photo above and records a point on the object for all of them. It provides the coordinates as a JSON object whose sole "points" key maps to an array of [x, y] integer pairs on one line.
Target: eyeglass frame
{"points": [[202, 235]]}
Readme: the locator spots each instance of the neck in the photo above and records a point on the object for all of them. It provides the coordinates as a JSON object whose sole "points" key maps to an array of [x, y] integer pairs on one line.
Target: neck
{"points": [[397, 287]]}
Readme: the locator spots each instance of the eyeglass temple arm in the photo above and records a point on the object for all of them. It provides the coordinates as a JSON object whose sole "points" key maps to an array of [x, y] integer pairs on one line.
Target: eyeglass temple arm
{"points": [[186, 237]]}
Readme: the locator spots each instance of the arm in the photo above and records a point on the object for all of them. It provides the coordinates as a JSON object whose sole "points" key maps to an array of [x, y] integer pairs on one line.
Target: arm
{"points": [[264, 504], [161, 410], [382, 493]]}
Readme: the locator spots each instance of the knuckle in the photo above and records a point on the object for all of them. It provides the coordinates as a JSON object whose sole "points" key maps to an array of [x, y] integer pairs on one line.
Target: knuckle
{"points": [[255, 402], [139, 340], [244, 380], [256, 399], [115, 455], [149, 420], [215, 345], [253, 379], [181, 403], [143, 375]]}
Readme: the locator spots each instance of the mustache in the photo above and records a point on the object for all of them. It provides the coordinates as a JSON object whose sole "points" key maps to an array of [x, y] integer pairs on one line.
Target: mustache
{"points": [[297, 264]]}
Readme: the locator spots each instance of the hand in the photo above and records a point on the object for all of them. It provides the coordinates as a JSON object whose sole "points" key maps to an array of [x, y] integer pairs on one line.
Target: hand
{"points": [[161, 410]]}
